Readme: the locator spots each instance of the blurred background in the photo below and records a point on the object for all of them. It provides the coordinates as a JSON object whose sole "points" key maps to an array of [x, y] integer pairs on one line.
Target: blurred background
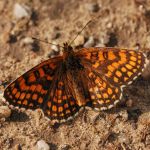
{"points": [[115, 23]]}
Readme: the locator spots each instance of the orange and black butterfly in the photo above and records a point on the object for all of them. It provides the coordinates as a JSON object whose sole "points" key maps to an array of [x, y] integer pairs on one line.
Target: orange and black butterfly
{"points": [[61, 86]]}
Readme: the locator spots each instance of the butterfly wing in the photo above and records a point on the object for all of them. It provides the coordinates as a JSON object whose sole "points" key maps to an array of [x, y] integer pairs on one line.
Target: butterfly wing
{"points": [[45, 87], [61, 104], [118, 66], [30, 89], [108, 70]]}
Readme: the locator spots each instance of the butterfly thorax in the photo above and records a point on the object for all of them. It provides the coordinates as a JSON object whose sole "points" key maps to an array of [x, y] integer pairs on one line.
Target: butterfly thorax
{"points": [[70, 61], [72, 67]]}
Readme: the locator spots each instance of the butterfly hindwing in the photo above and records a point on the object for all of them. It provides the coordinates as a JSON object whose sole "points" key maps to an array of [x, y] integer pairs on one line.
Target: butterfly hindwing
{"points": [[61, 104], [103, 95]]}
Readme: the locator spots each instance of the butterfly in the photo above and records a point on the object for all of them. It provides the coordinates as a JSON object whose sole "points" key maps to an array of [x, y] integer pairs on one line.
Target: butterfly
{"points": [[61, 86]]}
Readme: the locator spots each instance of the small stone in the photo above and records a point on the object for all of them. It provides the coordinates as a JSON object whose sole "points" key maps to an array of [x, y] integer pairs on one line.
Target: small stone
{"points": [[18, 147], [104, 38], [5, 37], [27, 40], [109, 25], [20, 26], [129, 103], [65, 147], [21, 11], [42, 145], [79, 40], [91, 117], [124, 115], [52, 54], [93, 7], [90, 42], [55, 48], [5, 112], [147, 140], [8, 64], [100, 45]]}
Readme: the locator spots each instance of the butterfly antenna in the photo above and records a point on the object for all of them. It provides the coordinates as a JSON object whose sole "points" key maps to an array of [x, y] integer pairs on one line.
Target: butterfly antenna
{"points": [[80, 31], [46, 42]]}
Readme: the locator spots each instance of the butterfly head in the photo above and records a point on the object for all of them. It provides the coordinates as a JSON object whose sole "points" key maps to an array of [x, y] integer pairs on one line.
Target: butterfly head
{"points": [[67, 48]]}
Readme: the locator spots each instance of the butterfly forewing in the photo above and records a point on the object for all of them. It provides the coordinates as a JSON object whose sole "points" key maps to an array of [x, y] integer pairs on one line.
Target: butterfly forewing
{"points": [[30, 90], [117, 66]]}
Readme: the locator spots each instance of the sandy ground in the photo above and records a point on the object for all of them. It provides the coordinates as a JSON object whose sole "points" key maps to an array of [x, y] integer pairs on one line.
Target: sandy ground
{"points": [[120, 23]]}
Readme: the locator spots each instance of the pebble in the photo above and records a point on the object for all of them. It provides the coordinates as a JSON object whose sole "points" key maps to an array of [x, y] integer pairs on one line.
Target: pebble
{"points": [[109, 25], [27, 40], [90, 42], [55, 48], [147, 141], [124, 115], [42, 145], [129, 103], [65, 147], [21, 11], [100, 45], [93, 7], [91, 117], [104, 38], [79, 40], [18, 147], [5, 37], [5, 112]]}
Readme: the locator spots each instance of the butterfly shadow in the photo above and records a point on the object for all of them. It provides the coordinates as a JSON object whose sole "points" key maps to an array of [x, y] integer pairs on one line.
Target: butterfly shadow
{"points": [[18, 116], [138, 94]]}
